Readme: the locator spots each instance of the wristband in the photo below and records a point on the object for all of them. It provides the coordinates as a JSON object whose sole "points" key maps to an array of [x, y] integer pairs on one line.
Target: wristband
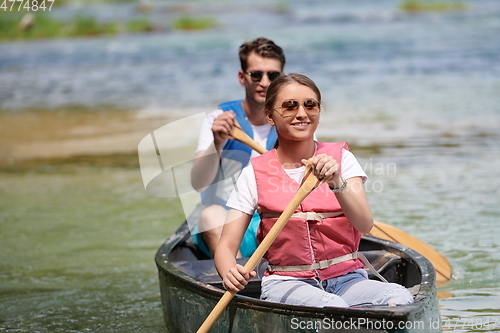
{"points": [[342, 187]]}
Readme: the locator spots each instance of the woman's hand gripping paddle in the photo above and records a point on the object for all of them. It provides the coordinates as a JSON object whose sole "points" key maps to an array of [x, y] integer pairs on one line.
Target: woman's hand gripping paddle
{"points": [[238, 134], [309, 183], [381, 230]]}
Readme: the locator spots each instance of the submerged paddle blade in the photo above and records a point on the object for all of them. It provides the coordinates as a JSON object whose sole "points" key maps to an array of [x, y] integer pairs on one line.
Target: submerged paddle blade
{"points": [[441, 265]]}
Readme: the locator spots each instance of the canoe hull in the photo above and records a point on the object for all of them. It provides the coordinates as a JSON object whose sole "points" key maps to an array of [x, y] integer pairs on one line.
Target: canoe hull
{"points": [[187, 301]]}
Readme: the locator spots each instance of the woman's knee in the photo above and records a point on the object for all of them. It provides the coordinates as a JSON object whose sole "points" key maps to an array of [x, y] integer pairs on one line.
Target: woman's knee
{"points": [[370, 292], [398, 295]]}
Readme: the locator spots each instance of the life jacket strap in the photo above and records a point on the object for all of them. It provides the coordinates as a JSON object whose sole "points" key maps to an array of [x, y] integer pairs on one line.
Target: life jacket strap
{"points": [[327, 263], [308, 216]]}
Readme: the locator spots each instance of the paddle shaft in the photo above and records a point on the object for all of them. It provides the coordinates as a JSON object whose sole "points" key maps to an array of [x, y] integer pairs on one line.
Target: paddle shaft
{"points": [[238, 134], [309, 183], [306, 187], [442, 266]]}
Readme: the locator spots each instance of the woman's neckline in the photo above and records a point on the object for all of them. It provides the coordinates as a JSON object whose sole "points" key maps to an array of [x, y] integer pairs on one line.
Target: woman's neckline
{"points": [[294, 165]]}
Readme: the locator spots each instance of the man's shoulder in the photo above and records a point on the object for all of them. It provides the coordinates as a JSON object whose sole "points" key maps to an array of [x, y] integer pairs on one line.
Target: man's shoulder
{"points": [[228, 104]]}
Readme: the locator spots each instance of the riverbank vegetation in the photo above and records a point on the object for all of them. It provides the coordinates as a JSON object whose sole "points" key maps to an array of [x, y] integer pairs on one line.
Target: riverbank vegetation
{"points": [[29, 25], [432, 6], [39, 26], [20, 25], [192, 23]]}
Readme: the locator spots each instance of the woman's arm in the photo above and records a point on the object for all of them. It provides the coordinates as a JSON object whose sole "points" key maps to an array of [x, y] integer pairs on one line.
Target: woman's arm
{"points": [[234, 276], [355, 205]]}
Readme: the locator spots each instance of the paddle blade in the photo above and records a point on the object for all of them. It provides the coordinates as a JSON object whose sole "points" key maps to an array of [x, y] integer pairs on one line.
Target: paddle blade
{"points": [[440, 263]]}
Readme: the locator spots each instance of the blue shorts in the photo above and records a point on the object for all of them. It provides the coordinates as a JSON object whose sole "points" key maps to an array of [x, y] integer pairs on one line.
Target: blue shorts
{"points": [[248, 243]]}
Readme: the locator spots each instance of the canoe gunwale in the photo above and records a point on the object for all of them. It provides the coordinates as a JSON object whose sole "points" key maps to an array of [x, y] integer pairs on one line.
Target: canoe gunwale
{"points": [[426, 288]]}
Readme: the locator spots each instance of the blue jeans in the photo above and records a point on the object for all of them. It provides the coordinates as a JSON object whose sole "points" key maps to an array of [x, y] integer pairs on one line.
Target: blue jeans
{"points": [[351, 289]]}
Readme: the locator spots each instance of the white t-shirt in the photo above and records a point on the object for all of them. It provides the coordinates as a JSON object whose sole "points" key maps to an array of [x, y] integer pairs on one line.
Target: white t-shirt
{"points": [[206, 137], [244, 196]]}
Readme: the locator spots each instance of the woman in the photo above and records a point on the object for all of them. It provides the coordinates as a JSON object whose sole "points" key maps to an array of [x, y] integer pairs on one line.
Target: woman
{"points": [[313, 261]]}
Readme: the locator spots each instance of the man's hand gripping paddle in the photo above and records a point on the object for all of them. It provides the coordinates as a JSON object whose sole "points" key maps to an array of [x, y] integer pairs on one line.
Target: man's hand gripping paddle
{"points": [[238, 134]]}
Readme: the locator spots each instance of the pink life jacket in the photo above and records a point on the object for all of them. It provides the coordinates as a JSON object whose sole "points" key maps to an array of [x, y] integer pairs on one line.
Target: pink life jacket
{"points": [[303, 242]]}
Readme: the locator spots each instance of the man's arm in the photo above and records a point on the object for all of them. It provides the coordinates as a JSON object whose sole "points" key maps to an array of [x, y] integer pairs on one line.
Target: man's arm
{"points": [[206, 162], [204, 169]]}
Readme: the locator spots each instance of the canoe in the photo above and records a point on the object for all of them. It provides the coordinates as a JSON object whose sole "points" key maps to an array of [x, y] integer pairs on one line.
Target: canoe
{"points": [[190, 287]]}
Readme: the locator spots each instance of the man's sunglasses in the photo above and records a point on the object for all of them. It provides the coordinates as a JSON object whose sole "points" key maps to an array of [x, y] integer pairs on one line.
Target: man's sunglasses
{"points": [[290, 107], [256, 76]]}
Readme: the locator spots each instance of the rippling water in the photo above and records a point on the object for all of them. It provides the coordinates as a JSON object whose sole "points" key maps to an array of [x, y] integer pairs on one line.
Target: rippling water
{"points": [[416, 95]]}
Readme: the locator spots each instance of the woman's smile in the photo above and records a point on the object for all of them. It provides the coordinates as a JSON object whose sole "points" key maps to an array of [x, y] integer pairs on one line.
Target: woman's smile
{"points": [[300, 125]]}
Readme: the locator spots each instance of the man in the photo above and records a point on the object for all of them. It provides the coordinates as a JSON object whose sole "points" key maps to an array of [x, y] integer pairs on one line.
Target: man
{"points": [[219, 160]]}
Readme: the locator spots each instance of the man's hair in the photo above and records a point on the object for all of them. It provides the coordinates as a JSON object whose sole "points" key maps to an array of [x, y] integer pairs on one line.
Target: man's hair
{"points": [[263, 47]]}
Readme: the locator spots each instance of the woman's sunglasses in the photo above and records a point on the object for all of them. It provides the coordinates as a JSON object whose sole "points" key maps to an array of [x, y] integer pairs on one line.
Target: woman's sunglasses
{"points": [[256, 76], [290, 107]]}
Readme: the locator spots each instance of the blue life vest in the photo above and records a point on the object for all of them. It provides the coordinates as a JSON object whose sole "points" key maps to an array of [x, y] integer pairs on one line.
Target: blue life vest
{"points": [[234, 157]]}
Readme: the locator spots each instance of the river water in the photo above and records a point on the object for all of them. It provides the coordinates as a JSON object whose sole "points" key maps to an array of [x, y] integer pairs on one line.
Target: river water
{"points": [[416, 95]]}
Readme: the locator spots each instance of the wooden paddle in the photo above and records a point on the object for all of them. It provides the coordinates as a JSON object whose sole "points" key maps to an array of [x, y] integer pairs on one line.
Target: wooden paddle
{"points": [[238, 134], [381, 230], [440, 263], [309, 183]]}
